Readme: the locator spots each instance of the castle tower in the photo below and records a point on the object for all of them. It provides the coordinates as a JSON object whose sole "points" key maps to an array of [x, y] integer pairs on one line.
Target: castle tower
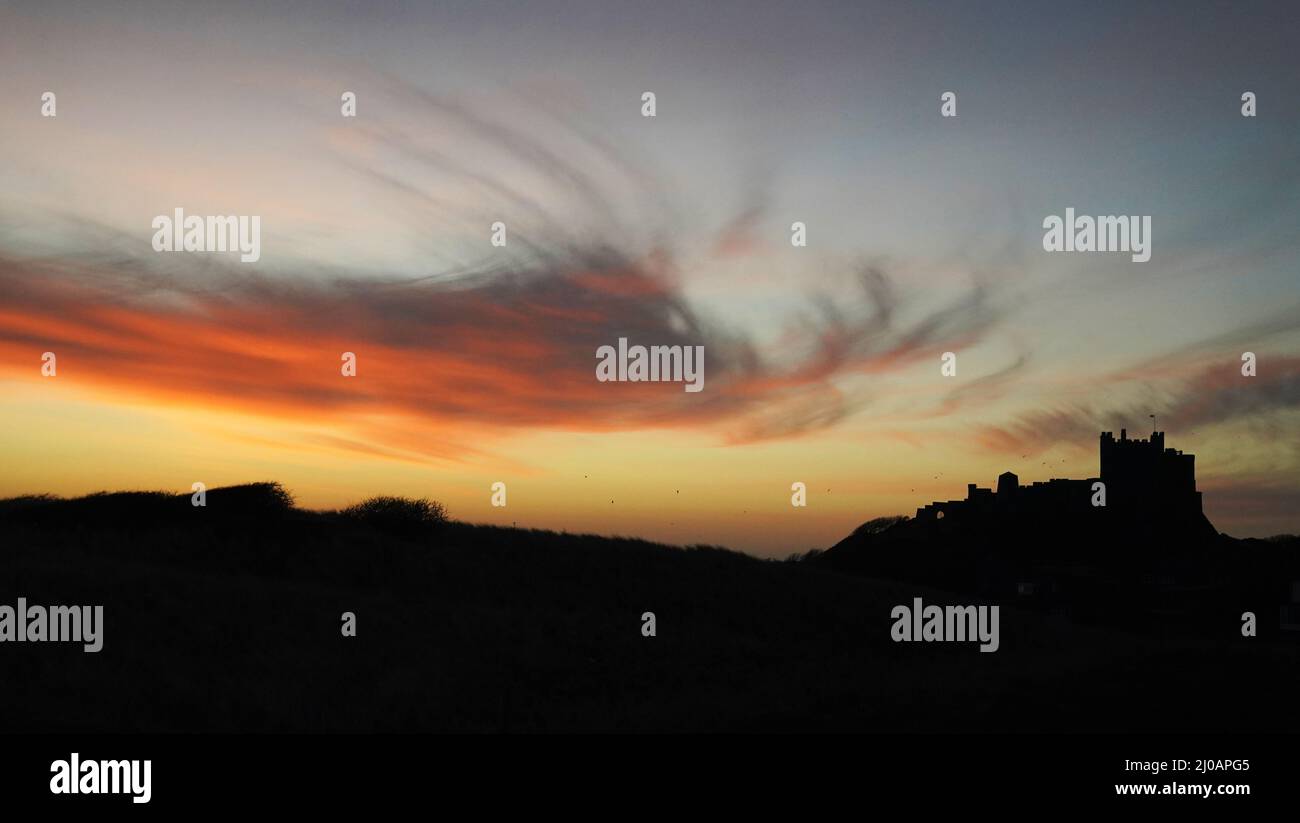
{"points": [[1008, 485], [1143, 474]]}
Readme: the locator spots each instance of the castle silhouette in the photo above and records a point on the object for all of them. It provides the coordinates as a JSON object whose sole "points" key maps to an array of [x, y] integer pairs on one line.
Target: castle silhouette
{"points": [[1148, 559], [1139, 479]]}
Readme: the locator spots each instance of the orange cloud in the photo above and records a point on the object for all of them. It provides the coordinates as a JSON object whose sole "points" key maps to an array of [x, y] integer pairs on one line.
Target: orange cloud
{"points": [[515, 350]]}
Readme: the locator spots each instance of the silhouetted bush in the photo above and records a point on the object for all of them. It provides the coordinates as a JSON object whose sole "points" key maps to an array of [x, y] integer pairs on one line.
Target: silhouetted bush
{"points": [[880, 524], [800, 557], [14, 504], [251, 501], [398, 513], [99, 508], [256, 499]]}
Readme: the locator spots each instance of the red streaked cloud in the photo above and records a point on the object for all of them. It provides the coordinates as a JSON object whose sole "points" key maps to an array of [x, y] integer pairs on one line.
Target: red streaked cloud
{"points": [[491, 350]]}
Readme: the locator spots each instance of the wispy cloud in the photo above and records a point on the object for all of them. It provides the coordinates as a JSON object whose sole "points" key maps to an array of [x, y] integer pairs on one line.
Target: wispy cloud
{"points": [[1184, 393], [506, 339]]}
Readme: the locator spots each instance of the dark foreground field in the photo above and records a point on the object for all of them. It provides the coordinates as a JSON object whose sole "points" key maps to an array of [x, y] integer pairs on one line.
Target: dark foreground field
{"points": [[227, 618]]}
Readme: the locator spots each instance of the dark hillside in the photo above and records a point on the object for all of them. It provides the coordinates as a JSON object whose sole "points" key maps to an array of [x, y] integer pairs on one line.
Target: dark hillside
{"points": [[228, 618]]}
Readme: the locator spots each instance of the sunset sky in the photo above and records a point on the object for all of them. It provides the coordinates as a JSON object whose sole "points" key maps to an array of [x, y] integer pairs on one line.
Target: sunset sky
{"points": [[476, 364]]}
